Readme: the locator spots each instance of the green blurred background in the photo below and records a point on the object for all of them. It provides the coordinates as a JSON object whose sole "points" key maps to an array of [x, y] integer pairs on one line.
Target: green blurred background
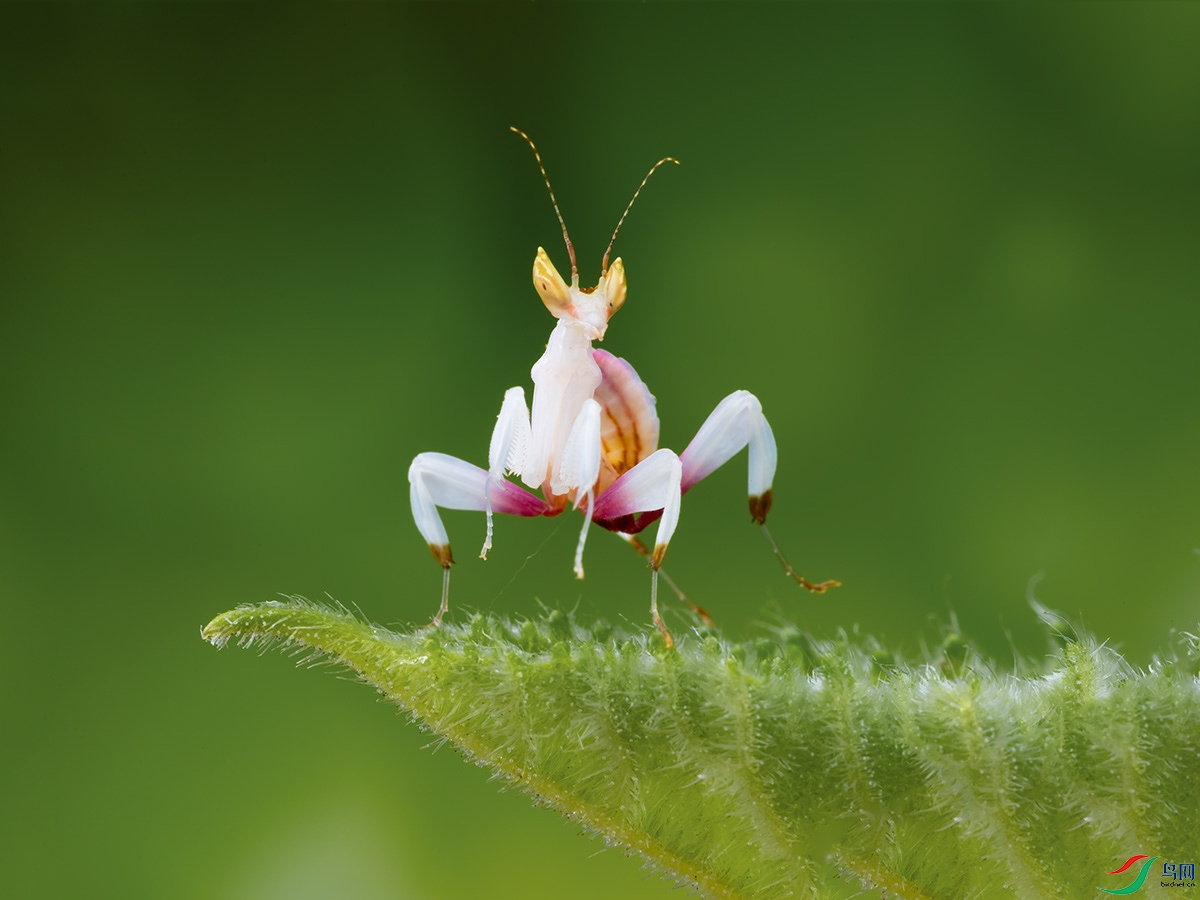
{"points": [[254, 259]]}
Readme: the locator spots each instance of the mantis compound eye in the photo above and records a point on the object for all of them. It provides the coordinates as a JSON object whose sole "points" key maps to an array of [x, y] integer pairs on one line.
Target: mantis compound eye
{"points": [[614, 285], [550, 285]]}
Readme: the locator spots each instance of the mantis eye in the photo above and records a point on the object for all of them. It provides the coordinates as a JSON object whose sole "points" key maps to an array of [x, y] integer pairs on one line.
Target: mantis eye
{"points": [[614, 285], [550, 285]]}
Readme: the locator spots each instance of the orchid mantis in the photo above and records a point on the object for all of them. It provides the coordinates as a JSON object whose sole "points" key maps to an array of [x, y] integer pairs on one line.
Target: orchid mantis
{"points": [[592, 438]]}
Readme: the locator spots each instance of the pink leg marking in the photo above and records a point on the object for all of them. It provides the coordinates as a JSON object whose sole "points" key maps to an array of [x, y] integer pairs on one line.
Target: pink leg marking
{"points": [[438, 481]]}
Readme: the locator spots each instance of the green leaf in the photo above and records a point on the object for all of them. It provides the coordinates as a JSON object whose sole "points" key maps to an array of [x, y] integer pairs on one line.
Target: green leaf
{"points": [[793, 767]]}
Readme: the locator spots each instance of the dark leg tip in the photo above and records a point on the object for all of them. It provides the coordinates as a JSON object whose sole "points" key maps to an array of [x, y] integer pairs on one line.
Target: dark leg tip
{"points": [[760, 506]]}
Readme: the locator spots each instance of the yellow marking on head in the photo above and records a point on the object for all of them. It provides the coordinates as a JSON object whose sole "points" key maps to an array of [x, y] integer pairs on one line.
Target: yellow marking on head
{"points": [[550, 285]]}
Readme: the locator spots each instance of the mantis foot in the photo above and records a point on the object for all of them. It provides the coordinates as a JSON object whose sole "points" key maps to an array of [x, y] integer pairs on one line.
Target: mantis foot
{"points": [[819, 587]]}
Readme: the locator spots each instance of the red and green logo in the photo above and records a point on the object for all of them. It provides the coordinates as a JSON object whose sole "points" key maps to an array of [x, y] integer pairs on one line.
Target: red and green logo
{"points": [[1141, 876]]}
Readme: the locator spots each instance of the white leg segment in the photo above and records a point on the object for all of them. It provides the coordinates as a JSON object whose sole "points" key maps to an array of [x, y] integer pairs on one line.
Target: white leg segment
{"points": [[511, 436], [580, 463], [652, 484], [440, 481], [508, 450], [737, 421], [579, 468]]}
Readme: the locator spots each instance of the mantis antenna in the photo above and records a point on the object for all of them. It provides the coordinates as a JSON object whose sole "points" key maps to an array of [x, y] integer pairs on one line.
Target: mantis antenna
{"points": [[621, 221], [566, 237]]}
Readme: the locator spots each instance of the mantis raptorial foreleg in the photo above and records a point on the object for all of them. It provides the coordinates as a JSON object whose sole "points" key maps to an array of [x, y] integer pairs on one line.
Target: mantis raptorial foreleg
{"points": [[509, 448], [579, 467]]}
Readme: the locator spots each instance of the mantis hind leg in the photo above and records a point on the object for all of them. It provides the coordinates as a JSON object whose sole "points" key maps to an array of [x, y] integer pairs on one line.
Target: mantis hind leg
{"points": [[437, 620], [738, 422], [818, 587], [698, 611]]}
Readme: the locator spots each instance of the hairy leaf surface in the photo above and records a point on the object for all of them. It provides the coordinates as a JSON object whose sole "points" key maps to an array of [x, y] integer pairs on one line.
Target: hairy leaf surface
{"points": [[796, 768]]}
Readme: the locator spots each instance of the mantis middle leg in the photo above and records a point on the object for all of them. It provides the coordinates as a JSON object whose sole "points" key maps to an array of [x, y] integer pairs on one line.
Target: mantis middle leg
{"points": [[438, 481], [651, 485]]}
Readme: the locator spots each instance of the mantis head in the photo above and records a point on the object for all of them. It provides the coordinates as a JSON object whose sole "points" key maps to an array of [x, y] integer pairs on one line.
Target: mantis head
{"points": [[588, 307]]}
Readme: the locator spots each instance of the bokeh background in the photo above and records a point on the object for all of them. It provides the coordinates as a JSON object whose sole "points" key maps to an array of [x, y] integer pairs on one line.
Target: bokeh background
{"points": [[253, 259]]}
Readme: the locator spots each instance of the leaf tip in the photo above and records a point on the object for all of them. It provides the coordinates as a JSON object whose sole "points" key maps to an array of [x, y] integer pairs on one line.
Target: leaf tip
{"points": [[218, 631]]}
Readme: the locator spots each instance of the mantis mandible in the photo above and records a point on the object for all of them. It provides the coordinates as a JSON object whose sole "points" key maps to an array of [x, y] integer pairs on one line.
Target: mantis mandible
{"points": [[592, 438]]}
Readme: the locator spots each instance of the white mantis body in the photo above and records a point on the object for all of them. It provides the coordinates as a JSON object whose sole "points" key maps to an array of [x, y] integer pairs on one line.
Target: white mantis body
{"points": [[592, 438]]}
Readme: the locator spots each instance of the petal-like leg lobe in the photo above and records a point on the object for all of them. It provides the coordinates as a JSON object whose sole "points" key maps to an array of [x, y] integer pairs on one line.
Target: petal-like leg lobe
{"points": [[737, 422], [652, 484], [439, 481]]}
